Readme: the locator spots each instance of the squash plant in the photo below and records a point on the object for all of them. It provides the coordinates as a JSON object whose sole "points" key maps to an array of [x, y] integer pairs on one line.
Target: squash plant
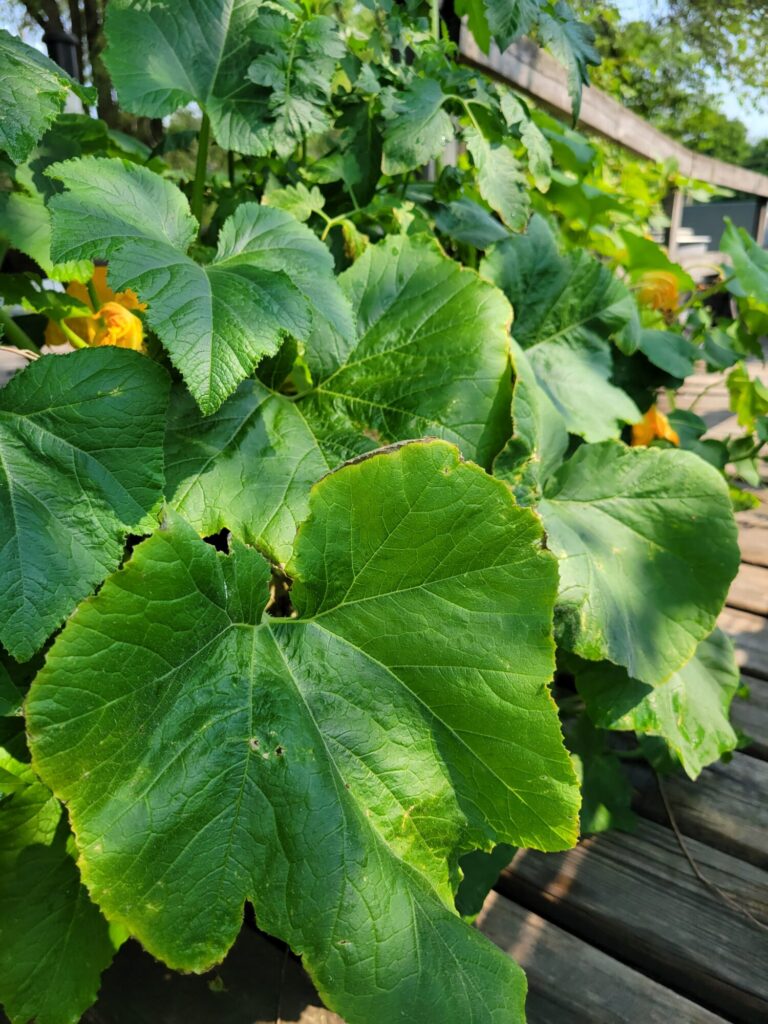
{"points": [[296, 536]]}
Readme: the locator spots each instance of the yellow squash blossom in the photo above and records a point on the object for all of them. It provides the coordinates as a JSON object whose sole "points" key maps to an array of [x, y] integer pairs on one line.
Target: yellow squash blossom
{"points": [[660, 290], [112, 323], [652, 426]]}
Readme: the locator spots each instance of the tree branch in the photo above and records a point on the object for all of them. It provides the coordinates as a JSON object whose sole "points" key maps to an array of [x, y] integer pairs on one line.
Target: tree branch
{"points": [[46, 13], [77, 27]]}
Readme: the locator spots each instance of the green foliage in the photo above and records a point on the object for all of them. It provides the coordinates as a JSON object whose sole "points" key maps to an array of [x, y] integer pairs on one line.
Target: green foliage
{"points": [[732, 35], [25, 224], [143, 226], [192, 52], [430, 358], [50, 929], [81, 457], [689, 711], [553, 23], [48, 925], [329, 689], [606, 791], [749, 263], [339, 709], [500, 179], [661, 70], [540, 439], [480, 871], [610, 508], [32, 92], [568, 307], [417, 128]]}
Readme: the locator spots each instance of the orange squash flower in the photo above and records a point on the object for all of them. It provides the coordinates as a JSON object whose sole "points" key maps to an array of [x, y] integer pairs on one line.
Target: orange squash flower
{"points": [[652, 426], [660, 290], [112, 323]]}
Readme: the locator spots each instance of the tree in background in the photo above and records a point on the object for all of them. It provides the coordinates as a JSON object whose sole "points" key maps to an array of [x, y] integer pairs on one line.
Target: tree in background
{"points": [[758, 158], [666, 71], [731, 35]]}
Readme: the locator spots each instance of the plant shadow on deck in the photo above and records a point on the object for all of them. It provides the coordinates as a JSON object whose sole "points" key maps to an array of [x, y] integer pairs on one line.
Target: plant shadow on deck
{"points": [[259, 982]]}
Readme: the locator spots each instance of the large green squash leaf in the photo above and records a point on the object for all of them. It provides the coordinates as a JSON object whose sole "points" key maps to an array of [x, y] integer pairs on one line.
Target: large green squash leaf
{"points": [[164, 54], [539, 441], [689, 711], [248, 468], [54, 943], [216, 321], [81, 464], [431, 354], [647, 547], [567, 307], [331, 767], [430, 358], [33, 91]]}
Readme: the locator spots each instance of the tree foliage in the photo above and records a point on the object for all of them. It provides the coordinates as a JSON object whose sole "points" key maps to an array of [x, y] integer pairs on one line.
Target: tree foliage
{"points": [[669, 68]]}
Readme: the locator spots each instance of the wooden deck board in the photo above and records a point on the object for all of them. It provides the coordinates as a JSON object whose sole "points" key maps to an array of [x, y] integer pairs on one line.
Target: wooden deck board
{"points": [[751, 717], [749, 591], [753, 541], [749, 632], [571, 982], [726, 807], [636, 897]]}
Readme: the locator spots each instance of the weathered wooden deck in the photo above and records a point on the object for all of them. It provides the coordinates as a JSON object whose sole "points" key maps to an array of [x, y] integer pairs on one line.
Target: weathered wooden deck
{"points": [[620, 930]]}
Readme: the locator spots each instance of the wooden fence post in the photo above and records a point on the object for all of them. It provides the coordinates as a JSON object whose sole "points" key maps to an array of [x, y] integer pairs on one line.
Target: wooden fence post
{"points": [[761, 220], [674, 204]]}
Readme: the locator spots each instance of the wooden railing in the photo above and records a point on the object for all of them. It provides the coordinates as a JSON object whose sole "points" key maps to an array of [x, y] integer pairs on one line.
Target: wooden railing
{"points": [[533, 71]]}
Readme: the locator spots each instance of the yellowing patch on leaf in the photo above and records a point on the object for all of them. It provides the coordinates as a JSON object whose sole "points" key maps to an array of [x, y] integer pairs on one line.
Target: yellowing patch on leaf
{"points": [[659, 289], [112, 324], [652, 426]]}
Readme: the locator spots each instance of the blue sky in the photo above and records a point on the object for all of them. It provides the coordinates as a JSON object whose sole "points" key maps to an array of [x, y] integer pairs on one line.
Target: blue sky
{"points": [[755, 120]]}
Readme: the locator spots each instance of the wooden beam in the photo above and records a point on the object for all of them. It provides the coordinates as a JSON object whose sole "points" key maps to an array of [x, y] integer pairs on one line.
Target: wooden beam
{"points": [[761, 221], [535, 72], [674, 205]]}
